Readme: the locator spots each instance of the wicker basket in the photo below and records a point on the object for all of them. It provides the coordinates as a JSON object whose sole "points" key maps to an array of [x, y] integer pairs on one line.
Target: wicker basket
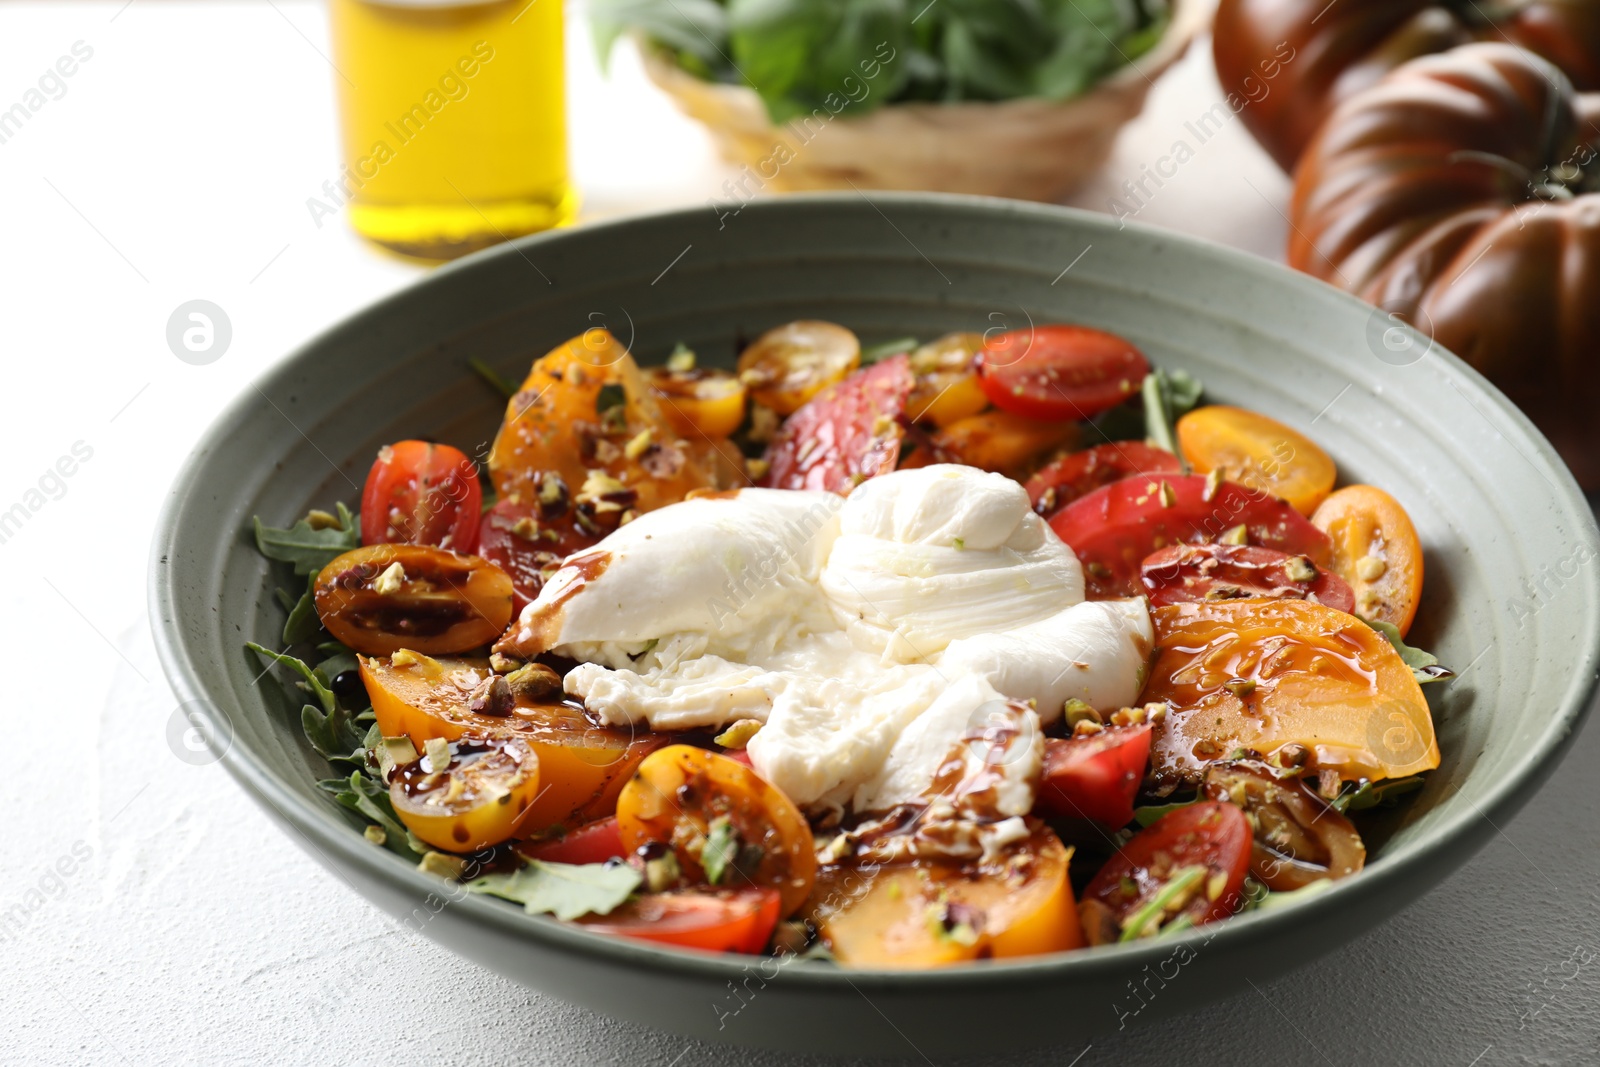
{"points": [[1028, 149]]}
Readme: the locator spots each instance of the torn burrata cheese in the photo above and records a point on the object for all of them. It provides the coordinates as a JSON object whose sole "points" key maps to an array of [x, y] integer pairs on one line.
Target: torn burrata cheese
{"points": [[902, 645]]}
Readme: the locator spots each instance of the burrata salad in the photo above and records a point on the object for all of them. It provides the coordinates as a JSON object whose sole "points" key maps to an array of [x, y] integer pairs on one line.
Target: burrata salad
{"points": [[902, 656]]}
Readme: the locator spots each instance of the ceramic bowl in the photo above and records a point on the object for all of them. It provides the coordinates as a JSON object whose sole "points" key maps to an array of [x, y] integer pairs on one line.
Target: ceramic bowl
{"points": [[1512, 597]]}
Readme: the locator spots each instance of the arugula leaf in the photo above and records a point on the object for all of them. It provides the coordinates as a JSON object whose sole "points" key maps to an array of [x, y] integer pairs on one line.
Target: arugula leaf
{"points": [[721, 848], [492, 378], [310, 548], [303, 623], [1151, 812], [365, 795], [336, 736], [1376, 794], [313, 678], [1424, 666], [1168, 396], [565, 890], [876, 353]]}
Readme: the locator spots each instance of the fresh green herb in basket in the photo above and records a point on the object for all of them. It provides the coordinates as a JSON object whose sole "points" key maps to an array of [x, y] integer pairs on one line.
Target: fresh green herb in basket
{"points": [[855, 55]]}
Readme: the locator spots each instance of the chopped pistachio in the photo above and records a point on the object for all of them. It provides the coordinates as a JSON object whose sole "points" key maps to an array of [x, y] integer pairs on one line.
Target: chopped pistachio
{"points": [[534, 682], [404, 657], [526, 528], [501, 663], [1216, 884], [318, 519], [1128, 717], [443, 865], [1291, 756], [959, 542], [395, 752], [1085, 727], [1370, 568], [492, 697], [836, 849], [1155, 711], [628, 516], [640, 444], [390, 581], [738, 734], [1213, 483], [1239, 535], [552, 490], [1169, 496], [438, 752], [1300, 569], [682, 359], [599, 484], [757, 468], [763, 421], [1240, 687], [1077, 711], [662, 872], [376, 834]]}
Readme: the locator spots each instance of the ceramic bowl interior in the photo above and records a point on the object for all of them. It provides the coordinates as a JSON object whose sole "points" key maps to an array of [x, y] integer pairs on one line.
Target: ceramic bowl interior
{"points": [[1512, 597]]}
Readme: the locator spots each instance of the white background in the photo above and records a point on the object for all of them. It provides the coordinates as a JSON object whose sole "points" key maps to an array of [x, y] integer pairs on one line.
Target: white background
{"points": [[177, 166]]}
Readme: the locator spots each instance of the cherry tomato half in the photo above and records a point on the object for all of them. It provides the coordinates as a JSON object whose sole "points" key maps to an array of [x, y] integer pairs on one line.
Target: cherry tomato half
{"points": [[700, 402], [788, 365], [1078, 474], [1060, 372], [480, 798], [714, 920], [1196, 857], [1180, 573], [1376, 550], [847, 433], [679, 792], [947, 386], [1095, 776], [419, 493], [593, 842], [529, 540], [1115, 528], [382, 598]]}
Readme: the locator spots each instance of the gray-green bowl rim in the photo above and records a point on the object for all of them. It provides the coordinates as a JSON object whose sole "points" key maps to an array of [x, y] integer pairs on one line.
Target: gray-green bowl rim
{"points": [[323, 829]]}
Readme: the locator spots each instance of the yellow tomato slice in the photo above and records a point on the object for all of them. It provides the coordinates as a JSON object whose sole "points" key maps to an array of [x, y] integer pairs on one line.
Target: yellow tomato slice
{"points": [[999, 441], [1257, 452], [1263, 673], [584, 766], [946, 388], [698, 403], [1376, 550], [789, 365], [677, 794], [564, 421], [480, 798], [931, 915]]}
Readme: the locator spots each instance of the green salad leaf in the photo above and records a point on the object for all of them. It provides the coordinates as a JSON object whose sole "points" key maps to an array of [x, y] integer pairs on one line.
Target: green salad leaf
{"points": [[1168, 396], [312, 543], [1376, 794], [312, 678], [721, 849], [1424, 665], [812, 59], [565, 890], [367, 796]]}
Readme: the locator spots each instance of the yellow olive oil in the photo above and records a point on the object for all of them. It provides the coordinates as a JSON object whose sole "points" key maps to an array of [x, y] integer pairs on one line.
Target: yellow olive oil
{"points": [[453, 121]]}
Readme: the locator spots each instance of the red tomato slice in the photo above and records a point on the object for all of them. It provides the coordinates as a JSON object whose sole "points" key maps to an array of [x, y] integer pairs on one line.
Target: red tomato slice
{"points": [[1115, 528], [526, 540], [420, 493], [716, 920], [1078, 474], [1095, 777], [593, 842], [1180, 573], [849, 432], [1059, 372], [1207, 834]]}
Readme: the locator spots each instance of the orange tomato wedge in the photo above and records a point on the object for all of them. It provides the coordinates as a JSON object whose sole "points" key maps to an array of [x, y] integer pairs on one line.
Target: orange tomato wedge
{"points": [[998, 441], [1257, 452], [698, 402], [947, 387], [1375, 550], [584, 765], [1262, 673], [932, 915]]}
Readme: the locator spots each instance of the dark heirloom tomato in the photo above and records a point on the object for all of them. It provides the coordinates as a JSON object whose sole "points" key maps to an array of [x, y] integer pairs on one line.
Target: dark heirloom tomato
{"points": [[1455, 196], [848, 432], [1288, 63], [1299, 839], [1182, 573], [526, 540], [1196, 857], [677, 794], [1059, 372], [1095, 776], [1114, 529], [382, 598], [1078, 474], [421, 494], [716, 920]]}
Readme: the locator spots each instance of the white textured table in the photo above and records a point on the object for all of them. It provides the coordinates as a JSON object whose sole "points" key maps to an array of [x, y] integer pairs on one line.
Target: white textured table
{"points": [[150, 914]]}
